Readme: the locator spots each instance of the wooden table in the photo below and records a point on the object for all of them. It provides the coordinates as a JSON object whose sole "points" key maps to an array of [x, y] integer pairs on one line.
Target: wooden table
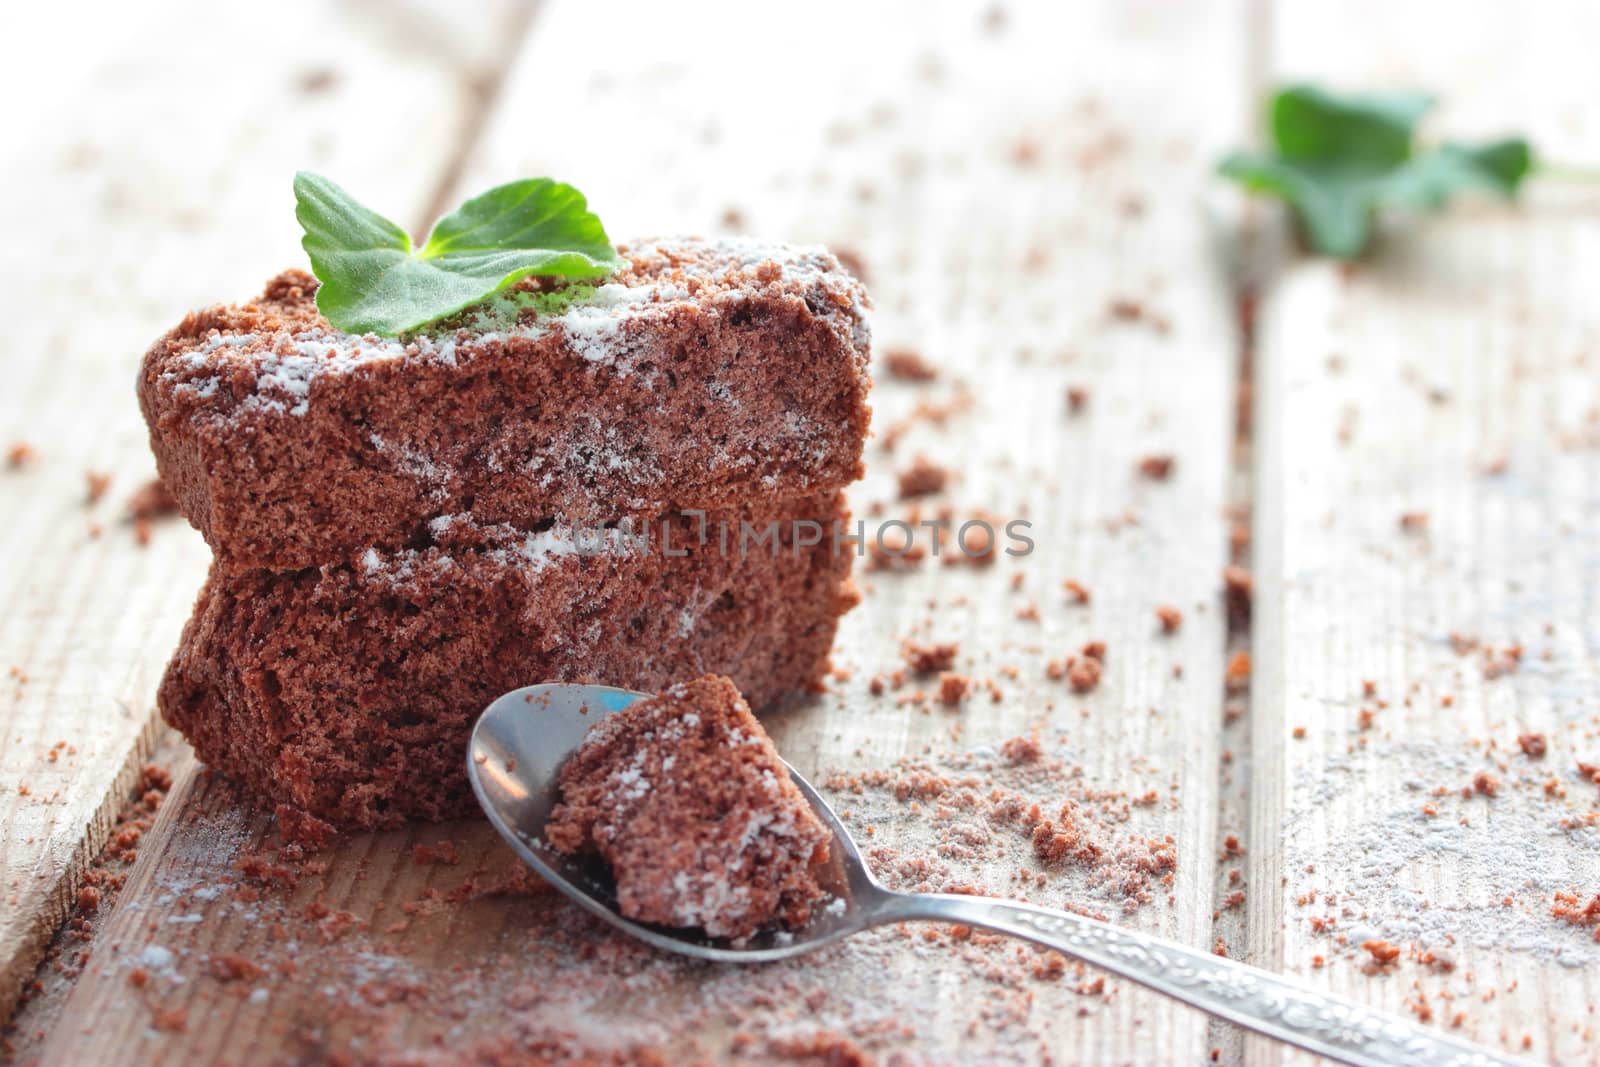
{"points": [[1404, 454]]}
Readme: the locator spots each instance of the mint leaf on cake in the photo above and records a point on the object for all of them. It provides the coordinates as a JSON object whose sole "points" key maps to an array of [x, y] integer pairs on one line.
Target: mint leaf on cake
{"points": [[373, 280]]}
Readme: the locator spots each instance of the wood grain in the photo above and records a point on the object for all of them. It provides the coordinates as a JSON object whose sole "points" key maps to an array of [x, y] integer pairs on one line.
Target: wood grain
{"points": [[152, 175], [1428, 462], [1020, 191]]}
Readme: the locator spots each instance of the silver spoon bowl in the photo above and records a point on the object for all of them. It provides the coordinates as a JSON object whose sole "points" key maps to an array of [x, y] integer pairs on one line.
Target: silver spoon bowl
{"points": [[523, 738]]}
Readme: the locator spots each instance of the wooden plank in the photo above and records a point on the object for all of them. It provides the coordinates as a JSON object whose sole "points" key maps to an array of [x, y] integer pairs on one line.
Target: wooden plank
{"points": [[1427, 441], [154, 176], [1020, 190]]}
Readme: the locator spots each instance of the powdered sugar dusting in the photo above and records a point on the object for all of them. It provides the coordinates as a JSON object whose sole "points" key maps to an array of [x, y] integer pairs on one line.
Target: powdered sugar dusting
{"points": [[1508, 856], [597, 323]]}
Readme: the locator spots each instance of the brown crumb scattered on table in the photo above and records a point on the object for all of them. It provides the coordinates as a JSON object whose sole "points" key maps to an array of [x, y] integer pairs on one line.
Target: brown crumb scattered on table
{"points": [[1126, 309], [1533, 745], [1571, 908], [894, 549], [1077, 399], [907, 365], [233, 968], [20, 454], [1156, 468], [1078, 592], [1414, 521], [1382, 952], [928, 659], [97, 482], [1500, 662], [922, 478], [152, 501], [1170, 618], [169, 1020], [1238, 672], [443, 854], [1022, 750], [1084, 674], [953, 688]]}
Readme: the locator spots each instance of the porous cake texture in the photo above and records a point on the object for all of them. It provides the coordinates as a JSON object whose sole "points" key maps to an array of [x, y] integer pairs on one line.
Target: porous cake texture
{"points": [[705, 375], [348, 692]]}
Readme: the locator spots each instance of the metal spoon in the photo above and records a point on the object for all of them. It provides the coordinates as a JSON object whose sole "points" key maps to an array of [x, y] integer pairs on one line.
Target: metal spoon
{"points": [[523, 738]]}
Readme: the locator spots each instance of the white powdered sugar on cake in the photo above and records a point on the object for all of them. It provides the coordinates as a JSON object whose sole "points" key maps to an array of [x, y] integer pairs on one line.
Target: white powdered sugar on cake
{"points": [[521, 551], [595, 322]]}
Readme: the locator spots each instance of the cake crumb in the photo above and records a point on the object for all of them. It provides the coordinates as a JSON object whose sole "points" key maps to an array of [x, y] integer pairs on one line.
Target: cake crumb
{"points": [[1084, 675], [233, 968], [152, 501], [1382, 952], [922, 478], [684, 797], [953, 688], [1237, 676], [1414, 522], [928, 659], [443, 854], [97, 484], [1020, 750], [1170, 618], [1156, 468], [20, 454], [1570, 908], [907, 365]]}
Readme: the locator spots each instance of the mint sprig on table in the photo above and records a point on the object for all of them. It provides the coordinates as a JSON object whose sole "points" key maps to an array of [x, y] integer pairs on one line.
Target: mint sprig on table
{"points": [[375, 281], [1337, 159]]}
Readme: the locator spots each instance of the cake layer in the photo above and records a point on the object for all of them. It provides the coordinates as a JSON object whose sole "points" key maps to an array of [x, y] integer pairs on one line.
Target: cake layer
{"points": [[687, 802], [348, 692], [705, 375]]}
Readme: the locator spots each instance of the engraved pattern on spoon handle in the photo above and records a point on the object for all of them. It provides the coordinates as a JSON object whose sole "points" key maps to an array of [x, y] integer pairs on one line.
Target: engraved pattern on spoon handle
{"points": [[1270, 1004]]}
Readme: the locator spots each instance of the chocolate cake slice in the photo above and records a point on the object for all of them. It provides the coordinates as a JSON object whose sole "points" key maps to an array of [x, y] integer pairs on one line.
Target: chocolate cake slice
{"points": [[686, 800], [347, 692], [706, 374]]}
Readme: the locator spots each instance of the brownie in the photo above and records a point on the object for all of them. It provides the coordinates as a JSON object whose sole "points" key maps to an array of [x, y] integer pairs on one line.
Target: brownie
{"points": [[348, 691], [706, 374], [686, 800]]}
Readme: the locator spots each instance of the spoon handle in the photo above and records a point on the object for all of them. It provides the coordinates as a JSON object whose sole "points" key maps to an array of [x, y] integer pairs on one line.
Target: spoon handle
{"points": [[1267, 1003]]}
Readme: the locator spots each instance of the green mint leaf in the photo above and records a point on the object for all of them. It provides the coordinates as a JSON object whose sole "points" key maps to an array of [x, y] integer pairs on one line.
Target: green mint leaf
{"points": [[1338, 158], [1333, 206], [1309, 123], [375, 281], [1428, 182]]}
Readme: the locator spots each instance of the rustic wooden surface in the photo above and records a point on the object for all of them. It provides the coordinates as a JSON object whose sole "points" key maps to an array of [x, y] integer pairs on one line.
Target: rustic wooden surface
{"points": [[1454, 379], [160, 183], [1006, 178]]}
